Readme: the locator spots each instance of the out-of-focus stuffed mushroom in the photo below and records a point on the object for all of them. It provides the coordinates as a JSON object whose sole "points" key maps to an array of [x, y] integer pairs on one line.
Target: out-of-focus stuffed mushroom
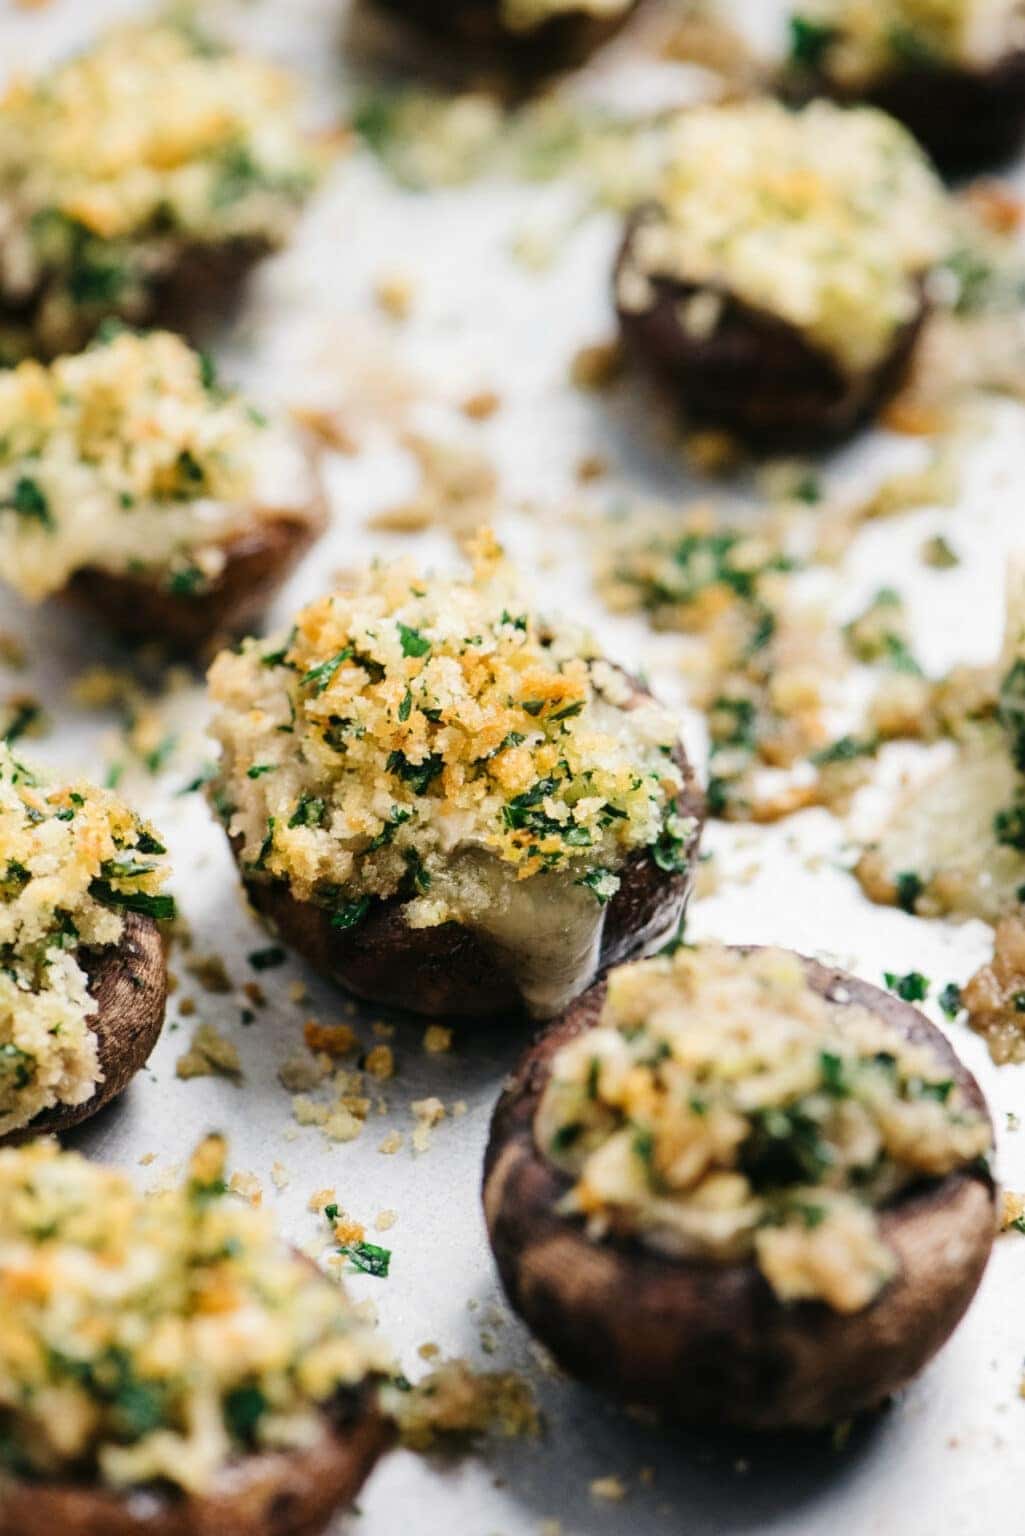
{"points": [[776, 284], [952, 71], [142, 179], [167, 1364]]}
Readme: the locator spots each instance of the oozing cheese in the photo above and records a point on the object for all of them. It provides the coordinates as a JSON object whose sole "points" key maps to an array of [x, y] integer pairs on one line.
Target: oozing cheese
{"points": [[525, 15], [724, 1110], [71, 858], [129, 457], [427, 739], [153, 1340], [149, 138], [827, 218], [856, 41]]}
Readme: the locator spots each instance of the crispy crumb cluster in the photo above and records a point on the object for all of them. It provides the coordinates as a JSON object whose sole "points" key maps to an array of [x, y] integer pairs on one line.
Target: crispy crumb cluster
{"points": [[827, 218], [72, 859], [151, 138], [724, 1109], [154, 1340], [414, 737], [130, 457], [855, 42]]}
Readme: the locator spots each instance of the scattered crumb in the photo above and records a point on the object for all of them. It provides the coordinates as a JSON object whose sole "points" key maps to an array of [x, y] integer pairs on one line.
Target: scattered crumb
{"points": [[280, 1176], [382, 1030], [380, 1062], [209, 1055], [385, 1220], [995, 995], [248, 1186], [392, 1143], [210, 972], [320, 1199], [437, 1040], [610, 1489], [298, 992], [596, 366], [147, 1158], [333, 1039], [481, 406], [255, 993], [1013, 1211], [456, 1400], [428, 1351], [393, 294]]}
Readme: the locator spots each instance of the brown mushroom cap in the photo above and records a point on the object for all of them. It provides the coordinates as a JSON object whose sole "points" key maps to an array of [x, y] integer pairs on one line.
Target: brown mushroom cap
{"points": [[756, 374], [477, 28], [272, 1494], [964, 118], [128, 981], [710, 1344], [452, 971], [258, 560]]}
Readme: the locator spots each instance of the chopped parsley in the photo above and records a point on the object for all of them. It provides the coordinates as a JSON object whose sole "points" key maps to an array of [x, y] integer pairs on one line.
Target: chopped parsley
{"points": [[320, 676], [369, 1258], [267, 959], [913, 987], [349, 914], [28, 500], [413, 642], [950, 1000]]}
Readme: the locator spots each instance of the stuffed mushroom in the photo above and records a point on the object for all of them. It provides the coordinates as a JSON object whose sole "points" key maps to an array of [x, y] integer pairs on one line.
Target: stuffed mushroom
{"points": [[741, 1188], [953, 71], [446, 804], [167, 1364], [84, 981], [777, 284], [141, 179], [135, 487], [529, 36]]}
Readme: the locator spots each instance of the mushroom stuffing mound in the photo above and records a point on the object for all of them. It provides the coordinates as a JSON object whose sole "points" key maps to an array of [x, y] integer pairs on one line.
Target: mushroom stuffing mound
{"points": [[446, 804], [83, 981], [741, 1188], [132, 483], [533, 36], [141, 179], [953, 71], [777, 285], [167, 1364]]}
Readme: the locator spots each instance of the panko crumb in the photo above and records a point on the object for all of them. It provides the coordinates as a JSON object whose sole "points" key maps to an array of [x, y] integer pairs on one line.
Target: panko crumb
{"points": [[611, 1490], [1012, 1213], [455, 1400], [380, 1062], [280, 1176], [392, 1143], [437, 1040], [210, 1054], [332, 1039], [320, 1200], [385, 1220], [248, 1187], [210, 971]]}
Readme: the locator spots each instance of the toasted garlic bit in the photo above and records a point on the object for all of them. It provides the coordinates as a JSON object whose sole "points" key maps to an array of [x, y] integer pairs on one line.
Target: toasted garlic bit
{"points": [[130, 458], [73, 859], [723, 1110], [827, 218], [159, 1338]]}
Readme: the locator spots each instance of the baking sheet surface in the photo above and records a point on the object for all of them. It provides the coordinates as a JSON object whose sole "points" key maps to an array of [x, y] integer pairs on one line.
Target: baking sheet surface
{"points": [[950, 1456]]}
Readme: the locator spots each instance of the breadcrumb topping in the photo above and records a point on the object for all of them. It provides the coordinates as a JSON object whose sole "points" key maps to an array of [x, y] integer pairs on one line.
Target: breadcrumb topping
{"points": [[723, 1109], [525, 15], [130, 457], [158, 1339], [827, 218], [72, 859]]}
